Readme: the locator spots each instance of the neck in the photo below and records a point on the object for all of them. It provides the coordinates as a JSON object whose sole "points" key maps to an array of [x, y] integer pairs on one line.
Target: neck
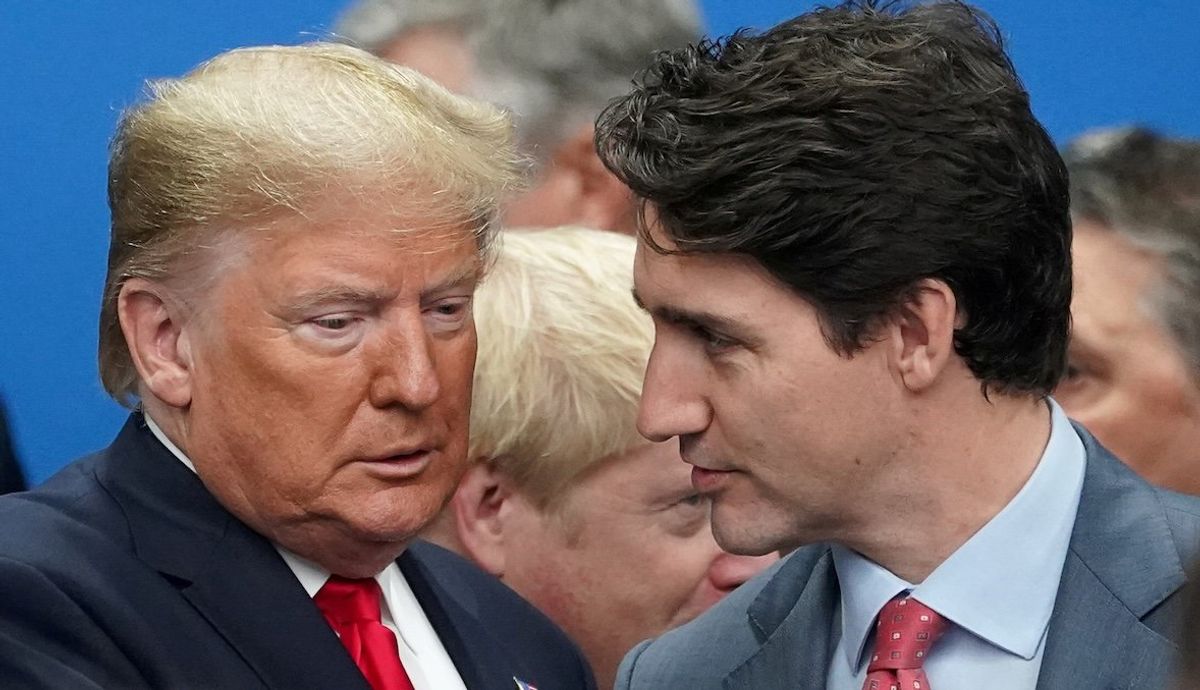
{"points": [[964, 475], [340, 555], [326, 543]]}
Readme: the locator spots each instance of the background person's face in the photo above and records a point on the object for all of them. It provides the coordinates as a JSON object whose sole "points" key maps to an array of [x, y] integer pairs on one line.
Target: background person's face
{"points": [[333, 377], [439, 51], [788, 438], [628, 556], [1127, 381]]}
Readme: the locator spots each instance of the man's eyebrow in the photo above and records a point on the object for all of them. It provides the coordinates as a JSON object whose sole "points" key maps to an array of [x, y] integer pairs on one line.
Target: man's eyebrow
{"points": [[679, 315], [638, 300], [340, 294], [345, 294]]}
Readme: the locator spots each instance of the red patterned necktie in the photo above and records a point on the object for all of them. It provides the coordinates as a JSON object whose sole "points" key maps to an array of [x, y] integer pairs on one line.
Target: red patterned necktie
{"points": [[905, 632], [352, 609]]}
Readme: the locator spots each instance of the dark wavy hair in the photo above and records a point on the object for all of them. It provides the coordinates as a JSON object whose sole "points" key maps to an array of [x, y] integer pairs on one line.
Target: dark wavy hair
{"points": [[854, 151]]}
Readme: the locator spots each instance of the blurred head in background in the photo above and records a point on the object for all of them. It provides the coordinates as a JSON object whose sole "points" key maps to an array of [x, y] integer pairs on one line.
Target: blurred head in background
{"points": [[1134, 372], [430, 36], [565, 501], [554, 65]]}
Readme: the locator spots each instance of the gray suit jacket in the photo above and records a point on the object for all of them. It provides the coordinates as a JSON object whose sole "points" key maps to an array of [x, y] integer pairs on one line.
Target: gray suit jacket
{"points": [[1115, 621]]}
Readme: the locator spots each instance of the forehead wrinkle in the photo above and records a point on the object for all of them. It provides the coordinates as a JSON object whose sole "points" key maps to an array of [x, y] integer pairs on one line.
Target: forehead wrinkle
{"points": [[465, 273]]}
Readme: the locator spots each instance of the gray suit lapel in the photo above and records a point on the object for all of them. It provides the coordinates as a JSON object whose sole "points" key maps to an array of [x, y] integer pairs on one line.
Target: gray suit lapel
{"points": [[792, 617], [1122, 564], [1097, 643]]}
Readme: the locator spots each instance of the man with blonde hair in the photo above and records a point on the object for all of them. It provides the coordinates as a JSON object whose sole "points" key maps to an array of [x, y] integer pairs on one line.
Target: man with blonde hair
{"points": [[296, 237], [566, 503]]}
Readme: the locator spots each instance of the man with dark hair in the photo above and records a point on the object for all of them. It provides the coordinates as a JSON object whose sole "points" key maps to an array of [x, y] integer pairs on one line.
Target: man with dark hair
{"points": [[1133, 373], [856, 252]]}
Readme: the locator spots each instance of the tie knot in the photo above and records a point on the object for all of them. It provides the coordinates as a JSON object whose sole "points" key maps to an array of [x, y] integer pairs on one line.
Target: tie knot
{"points": [[348, 601], [905, 632]]}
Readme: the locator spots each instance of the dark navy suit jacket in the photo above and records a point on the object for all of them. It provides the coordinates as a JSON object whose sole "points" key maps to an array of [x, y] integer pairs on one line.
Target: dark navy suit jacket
{"points": [[123, 571]]}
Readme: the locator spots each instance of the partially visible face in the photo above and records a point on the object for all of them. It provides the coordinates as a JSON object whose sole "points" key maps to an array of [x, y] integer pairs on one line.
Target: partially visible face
{"points": [[628, 556], [787, 438], [551, 201], [1127, 380], [439, 51], [332, 378]]}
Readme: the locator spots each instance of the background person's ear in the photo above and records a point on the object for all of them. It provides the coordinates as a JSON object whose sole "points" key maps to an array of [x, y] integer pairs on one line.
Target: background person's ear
{"points": [[921, 334], [480, 508], [604, 201], [158, 345], [574, 188]]}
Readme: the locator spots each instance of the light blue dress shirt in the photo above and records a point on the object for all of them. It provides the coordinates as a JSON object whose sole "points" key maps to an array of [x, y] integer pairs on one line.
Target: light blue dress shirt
{"points": [[997, 590]]}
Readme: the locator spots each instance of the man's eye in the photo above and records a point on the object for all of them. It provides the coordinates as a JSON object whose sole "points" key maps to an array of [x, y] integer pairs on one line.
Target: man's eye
{"points": [[712, 341], [450, 311], [691, 500], [333, 323]]}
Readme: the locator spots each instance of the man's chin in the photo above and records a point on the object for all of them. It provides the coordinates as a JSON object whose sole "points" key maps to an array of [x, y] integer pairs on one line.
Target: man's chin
{"points": [[744, 537]]}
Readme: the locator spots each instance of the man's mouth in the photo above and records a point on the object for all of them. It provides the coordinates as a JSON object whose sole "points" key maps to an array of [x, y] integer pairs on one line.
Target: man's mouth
{"points": [[708, 481]]}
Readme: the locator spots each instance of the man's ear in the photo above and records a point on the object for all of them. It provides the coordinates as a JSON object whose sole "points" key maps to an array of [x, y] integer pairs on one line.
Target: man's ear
{"points": [[153, 328], [481, 506], [921, 334], [603, 202]]}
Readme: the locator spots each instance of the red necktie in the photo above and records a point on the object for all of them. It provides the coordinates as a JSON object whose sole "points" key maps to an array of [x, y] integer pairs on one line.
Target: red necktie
{"points": [[352, 609], [905, 632]]}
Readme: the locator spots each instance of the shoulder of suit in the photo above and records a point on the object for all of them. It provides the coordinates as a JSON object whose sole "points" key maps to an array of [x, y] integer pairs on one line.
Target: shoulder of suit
{"points": [[521, 628], [70, 508], [479, 590], [701, 653], [1183, 517]]}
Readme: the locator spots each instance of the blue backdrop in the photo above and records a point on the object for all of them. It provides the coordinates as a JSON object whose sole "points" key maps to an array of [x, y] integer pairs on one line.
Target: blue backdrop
{"points": [[69, 69]]}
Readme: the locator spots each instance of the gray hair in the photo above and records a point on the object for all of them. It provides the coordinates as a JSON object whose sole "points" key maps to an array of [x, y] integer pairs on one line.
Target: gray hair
{"points": [[1146, 188], [556, 63], [372, 24]]}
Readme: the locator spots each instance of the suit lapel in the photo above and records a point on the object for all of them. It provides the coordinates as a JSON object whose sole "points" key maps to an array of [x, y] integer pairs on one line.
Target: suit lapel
{"points": [[1096, 642], [477, 654], [1122, 563], [251, 597], [232, 576], [792, 618]]}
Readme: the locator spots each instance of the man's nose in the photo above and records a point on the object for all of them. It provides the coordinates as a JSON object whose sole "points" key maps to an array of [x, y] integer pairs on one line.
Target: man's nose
{"points": [[404, 372], [671, 403]]}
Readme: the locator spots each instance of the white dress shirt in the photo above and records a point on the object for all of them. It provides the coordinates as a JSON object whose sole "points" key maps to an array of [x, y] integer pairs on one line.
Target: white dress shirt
{"points": [[421, 651], [997, 590]]}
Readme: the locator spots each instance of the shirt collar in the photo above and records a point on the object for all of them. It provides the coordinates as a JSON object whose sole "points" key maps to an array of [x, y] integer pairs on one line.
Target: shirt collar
{"points": [[1001, 584], [162, 438]]}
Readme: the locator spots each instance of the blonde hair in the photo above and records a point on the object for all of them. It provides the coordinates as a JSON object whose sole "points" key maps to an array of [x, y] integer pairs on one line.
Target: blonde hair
{"points": [[562, 352], [256, 133]]}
